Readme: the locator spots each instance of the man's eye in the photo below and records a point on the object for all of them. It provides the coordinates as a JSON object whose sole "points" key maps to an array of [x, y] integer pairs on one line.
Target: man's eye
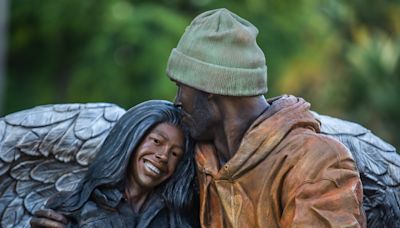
{"points": [[174, 154]]}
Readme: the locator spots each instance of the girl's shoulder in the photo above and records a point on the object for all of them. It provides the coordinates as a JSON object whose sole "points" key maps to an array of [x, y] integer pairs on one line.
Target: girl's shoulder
{"points": [[96, 215]]}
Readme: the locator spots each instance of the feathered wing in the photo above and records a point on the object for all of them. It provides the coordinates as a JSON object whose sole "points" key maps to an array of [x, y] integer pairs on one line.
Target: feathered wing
{"points": [[47, 149], [379, 166]]}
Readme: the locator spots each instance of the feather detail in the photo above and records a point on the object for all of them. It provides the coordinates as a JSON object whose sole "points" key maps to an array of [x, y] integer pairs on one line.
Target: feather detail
{"points": [[47, 149], [379, 167]]}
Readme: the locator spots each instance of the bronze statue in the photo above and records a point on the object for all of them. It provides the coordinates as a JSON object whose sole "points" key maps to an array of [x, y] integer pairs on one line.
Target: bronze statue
{"points": [[260, 162], [47, 149], [266, 163], [379, 167], [131, 182]]}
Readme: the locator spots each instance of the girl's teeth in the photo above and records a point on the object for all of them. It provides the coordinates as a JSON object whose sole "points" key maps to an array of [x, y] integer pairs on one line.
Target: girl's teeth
{"points": [[152, 167]]}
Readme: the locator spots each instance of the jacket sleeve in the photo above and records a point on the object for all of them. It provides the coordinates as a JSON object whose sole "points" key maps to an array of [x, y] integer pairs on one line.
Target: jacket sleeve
{"points": [[323, 188]]}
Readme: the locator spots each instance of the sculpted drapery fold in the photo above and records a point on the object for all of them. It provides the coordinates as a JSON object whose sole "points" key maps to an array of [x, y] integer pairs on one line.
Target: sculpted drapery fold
{"points": [[283, 175]]}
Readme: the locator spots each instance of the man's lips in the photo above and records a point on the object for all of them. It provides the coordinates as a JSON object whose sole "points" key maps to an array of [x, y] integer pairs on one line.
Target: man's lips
{"points": [[184, 113], [185, 117]]}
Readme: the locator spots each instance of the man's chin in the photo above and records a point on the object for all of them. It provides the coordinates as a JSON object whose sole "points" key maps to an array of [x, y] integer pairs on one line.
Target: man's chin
{"points": [[199, 136], [194, 135]]}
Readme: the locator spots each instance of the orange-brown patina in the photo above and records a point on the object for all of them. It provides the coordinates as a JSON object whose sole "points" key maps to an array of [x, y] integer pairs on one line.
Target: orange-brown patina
{"points": [[284, 174]]}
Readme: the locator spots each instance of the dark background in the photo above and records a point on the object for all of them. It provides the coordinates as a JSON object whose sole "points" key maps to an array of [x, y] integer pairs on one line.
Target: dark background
{"points": [[342, 56]]}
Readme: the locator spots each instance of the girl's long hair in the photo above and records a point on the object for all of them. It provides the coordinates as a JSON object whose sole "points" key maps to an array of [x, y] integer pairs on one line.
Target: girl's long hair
{"points": [[109, 168]]}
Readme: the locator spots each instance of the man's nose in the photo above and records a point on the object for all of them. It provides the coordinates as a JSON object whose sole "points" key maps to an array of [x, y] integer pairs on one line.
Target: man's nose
{"points": [[177, 102], [178, 105]]}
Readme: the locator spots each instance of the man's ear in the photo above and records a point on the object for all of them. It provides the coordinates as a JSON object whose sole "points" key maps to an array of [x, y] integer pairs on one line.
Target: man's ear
{"points": [[213, 105]]}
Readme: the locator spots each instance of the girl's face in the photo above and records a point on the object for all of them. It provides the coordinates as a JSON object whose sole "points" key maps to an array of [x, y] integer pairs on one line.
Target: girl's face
{"points": [[158, 155]]}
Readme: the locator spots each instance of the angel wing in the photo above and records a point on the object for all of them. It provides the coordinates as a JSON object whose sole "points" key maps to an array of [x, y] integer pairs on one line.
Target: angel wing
{"points": [[47, 149], [379, 166]]}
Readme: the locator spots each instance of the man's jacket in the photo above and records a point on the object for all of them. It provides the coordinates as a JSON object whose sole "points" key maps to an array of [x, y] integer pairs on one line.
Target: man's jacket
{"points": [[284, 174]]}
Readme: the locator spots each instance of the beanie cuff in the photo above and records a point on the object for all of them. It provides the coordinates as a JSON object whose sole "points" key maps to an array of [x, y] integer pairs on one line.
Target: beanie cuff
{"points": [[216, 79]]}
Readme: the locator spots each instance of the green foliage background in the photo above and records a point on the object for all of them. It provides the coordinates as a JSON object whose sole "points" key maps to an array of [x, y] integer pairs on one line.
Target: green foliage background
{"points": [[342, 56]]}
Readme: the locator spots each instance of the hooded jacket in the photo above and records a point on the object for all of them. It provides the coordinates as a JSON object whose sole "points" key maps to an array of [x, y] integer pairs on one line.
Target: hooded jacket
{"points": [[284, 174]]}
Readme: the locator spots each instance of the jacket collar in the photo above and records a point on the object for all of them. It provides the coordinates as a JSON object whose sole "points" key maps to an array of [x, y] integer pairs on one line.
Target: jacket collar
{"points": [[267, 131]]}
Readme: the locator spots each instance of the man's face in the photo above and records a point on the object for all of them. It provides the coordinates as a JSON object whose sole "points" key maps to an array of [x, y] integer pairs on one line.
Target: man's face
{"points": [[157, 156], [196, 112]]}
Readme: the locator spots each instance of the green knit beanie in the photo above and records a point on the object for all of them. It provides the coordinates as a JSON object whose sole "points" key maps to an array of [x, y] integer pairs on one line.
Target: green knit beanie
{"points": [[218, 54]]}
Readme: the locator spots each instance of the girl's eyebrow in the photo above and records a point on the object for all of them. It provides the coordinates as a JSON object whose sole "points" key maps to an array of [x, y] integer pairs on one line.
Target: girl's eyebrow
{"points": [[161, 134], [166, 137]]}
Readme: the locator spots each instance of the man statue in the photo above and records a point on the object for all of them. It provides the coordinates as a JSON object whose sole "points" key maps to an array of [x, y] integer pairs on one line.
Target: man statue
{"points": [[260, 163]]}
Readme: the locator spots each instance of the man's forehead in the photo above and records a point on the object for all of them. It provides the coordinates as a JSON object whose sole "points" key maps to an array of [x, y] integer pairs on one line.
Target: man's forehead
{"points": [[185, 87]]}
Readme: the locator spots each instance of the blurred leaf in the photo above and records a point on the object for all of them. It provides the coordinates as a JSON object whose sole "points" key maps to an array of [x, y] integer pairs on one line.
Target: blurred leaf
{"points": [[342, 56]]}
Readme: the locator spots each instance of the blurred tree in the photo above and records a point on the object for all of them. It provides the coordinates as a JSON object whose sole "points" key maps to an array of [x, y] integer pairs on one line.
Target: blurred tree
{"points": [[3, 42], [73, 51], [370, 64], [342, 56]]}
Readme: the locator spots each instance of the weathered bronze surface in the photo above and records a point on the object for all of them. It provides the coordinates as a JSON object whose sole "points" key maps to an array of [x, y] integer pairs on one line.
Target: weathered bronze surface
{"points": [[28, 142], [107, 191]]}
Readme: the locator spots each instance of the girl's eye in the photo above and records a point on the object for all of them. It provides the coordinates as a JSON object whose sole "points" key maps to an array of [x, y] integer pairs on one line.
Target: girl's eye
{"points": [[156, 141], [174, 154]]}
